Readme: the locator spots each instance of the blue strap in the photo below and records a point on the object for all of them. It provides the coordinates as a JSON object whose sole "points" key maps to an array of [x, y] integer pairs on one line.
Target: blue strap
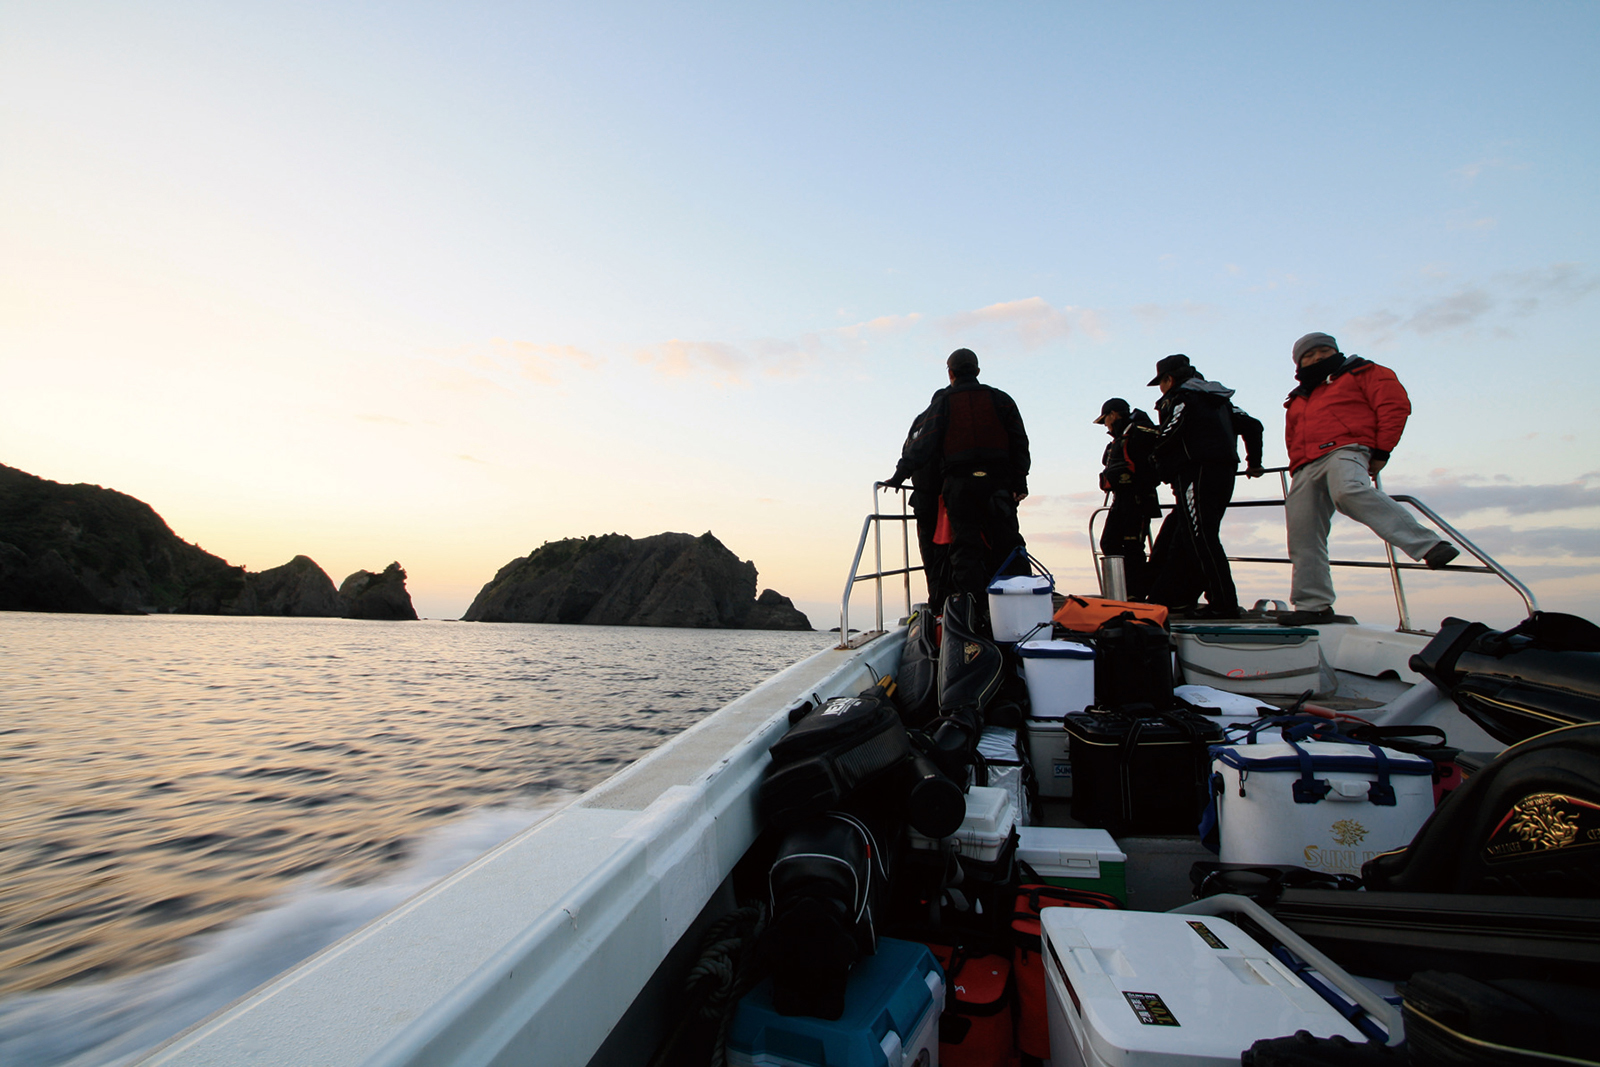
{"points": [[1040, 567], [1307, 788], [1381, 792]]}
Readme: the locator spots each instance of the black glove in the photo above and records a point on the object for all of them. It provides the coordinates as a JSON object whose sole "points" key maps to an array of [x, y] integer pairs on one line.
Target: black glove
{"points": [[896, 481]]}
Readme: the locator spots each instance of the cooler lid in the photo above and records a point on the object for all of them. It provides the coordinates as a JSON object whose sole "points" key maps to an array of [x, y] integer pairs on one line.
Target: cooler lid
{"points": [[989, 812], [1075, 850], [1356, 757], [999, 743], [1054, 650], [1248, 635], [1036, 584], [1195, 988]]}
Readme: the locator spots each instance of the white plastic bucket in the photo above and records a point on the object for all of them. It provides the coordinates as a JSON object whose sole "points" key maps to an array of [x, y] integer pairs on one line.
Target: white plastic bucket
{"points": [[1060, 676], [1019, 606]]}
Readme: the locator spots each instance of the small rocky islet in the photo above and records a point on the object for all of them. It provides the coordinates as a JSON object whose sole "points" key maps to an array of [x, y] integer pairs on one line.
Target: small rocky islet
{"points": [[85, 548]]}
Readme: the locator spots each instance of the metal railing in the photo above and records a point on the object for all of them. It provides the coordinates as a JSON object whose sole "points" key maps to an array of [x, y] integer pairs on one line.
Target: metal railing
{"points": [[1488, 564], [873, 524]]}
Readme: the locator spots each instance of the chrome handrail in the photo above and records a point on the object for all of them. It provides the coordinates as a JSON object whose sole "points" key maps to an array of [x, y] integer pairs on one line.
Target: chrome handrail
{"points": [[1393, 565], [873, 524]]}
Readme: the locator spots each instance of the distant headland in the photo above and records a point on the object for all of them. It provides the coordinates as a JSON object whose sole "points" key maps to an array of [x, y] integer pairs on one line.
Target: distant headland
{"points": [[84, 548], [87, 549]]}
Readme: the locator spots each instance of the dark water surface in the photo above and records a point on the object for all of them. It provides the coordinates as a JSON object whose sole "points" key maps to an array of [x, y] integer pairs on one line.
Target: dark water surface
{"points": [[190, 804]]}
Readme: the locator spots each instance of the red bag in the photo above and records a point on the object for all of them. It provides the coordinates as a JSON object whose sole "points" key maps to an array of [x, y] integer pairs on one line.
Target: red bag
{"points": [[975, 1029], [1084, 614], [941, 528], [1033, 1013]]}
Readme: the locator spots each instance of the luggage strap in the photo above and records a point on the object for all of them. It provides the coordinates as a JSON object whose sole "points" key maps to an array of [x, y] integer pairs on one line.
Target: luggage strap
{"points": [[1130, 741], [1308, 789]]}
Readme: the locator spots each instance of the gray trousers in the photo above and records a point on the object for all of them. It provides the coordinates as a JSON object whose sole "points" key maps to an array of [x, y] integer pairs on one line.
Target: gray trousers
{"points": [[1340, 481]]}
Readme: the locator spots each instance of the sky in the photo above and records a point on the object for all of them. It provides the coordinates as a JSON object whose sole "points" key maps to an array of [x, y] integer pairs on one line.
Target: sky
{"points": [[440, 283]]}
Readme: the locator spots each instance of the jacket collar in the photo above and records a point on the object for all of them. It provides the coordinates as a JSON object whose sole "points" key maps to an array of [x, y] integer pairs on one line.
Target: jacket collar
{"points": [[1351, 363]]}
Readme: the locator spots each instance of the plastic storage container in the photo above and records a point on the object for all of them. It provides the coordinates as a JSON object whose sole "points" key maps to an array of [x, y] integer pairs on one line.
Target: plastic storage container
{"points": [[1280, 660], [986, 829], [1020, 606], [1075, 858], [891, 1018], [998, 744], [1060, 676], [1153, 989], [1048, 752], [1324, 805]]}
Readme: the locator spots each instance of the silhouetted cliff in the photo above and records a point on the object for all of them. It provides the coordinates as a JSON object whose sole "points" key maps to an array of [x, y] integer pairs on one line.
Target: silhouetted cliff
{"points": [[670, 579], [377, 596]]}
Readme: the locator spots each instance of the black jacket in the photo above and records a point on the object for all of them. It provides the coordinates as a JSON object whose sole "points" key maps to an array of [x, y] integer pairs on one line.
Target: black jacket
{"points": [[1127, 462], [1198, 425], [969, 427]]}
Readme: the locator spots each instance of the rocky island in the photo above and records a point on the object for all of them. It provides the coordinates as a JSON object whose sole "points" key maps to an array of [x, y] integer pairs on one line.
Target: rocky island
{"points": [[669, 579], [87, 549]]}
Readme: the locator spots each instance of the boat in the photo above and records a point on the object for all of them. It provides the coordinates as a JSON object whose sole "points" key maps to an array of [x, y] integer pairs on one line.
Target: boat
{"points": [[567, 944]]}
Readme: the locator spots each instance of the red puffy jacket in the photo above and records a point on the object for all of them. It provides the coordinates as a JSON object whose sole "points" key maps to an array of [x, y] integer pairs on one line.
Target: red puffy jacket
{"points": [[1361, 403]]}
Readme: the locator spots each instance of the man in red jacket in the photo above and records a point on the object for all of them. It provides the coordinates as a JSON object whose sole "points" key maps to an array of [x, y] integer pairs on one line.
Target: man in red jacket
{"points": [[1342, 421]]}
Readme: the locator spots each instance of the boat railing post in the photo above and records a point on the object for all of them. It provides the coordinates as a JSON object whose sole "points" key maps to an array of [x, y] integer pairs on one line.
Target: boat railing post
{"points": [[1528, 599], [877, 549], [1394, 572], [905, 545]]}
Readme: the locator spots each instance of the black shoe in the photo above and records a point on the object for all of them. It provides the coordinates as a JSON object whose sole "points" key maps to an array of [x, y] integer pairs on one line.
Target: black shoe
{"points": [[1183, 611], [1305, 618], [1209, 612], [1440, 554]]}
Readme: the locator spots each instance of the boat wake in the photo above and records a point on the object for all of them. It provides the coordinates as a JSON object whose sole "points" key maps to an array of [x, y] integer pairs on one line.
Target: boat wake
{"points": [[103, 1024]]}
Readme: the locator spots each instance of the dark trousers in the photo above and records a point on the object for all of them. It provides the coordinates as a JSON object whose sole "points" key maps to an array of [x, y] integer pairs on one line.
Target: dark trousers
{"points": [[1127, 526], [935, 557], [1188, 558], [983, 532]]}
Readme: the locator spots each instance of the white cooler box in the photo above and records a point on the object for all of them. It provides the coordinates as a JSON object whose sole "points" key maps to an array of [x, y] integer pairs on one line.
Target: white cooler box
{"points": [[1020, 606], [986, 829], [1153, 989], [1048, 752], [998, 745], [1281, 660], [1060, 676], [1340, 819], [1075, 858]]}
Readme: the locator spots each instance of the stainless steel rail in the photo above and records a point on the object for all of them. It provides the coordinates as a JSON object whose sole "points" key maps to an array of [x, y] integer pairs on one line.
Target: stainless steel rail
{"points": [[1488, 564], [873, 524]]}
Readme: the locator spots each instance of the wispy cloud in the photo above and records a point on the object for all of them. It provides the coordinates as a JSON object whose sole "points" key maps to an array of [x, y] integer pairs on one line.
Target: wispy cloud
{"points": [[1033, 321], [540, 362], [1542, 541], [1469, 172], [1517, 294], [725, 364], [1465, 495]]}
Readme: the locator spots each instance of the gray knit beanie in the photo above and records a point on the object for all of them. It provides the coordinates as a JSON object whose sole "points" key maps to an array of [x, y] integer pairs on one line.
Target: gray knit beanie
{"points": [[1313, 340]]}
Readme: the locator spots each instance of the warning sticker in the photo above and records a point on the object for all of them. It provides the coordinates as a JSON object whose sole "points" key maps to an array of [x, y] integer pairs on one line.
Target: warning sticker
{"points": [[1151, 1009], [1206, 935]]}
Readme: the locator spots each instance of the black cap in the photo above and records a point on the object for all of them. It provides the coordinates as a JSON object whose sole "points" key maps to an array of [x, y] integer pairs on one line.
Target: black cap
{"points": [[963, 362], [1170, 367], [1117, 404]]}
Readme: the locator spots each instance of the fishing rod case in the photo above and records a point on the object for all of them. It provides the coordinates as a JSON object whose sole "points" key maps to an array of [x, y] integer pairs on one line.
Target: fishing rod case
{"points": [[1541, 674], [1527, 824], [824, 882], [916, 691], [970, 665], [1454, 1021], [831, 752], [1136, 770], [1393, 935]]}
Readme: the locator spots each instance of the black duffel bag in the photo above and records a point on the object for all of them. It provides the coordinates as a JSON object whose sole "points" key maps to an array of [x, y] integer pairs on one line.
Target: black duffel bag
{"points": [[1133, 663], [1136, 770], [830, 753]]}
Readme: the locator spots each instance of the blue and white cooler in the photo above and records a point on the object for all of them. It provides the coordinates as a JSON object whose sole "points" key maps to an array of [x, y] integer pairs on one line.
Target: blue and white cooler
{"points": [[1325, 805], [1020, 606], [891, 1018]]}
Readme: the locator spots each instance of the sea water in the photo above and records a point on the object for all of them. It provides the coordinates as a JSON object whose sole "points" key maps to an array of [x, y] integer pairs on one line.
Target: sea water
{"points": [[189, 804]]}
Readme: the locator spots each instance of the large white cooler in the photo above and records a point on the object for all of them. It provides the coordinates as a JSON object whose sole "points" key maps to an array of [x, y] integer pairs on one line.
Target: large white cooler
{"points": [[1281, 660], [1325, 805], [1048, 749], [1020, 606], [1060, 676], [1075, 858], [986, 829], [1153, 989]]}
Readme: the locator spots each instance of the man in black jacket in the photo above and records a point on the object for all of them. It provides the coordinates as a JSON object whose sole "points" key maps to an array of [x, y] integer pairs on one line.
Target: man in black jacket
{"points": [[926, 485], [975, 435], [1129, 475], [1196, 454]]}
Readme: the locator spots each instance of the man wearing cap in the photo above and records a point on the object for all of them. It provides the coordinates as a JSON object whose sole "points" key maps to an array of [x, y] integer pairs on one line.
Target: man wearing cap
{"points": [[1342, 421], [1129, 475], [975, 435], [1197, 455]]}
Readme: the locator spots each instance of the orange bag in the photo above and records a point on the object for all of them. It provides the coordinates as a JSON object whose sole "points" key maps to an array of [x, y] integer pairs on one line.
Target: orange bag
{"points": [[1084, 614]]}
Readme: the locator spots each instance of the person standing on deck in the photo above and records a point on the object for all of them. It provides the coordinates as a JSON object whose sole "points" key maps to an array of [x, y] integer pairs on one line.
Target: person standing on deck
{"points": [[926, 483], [1129, 475], [975, 434], [1341, 423], [1197, 456]]}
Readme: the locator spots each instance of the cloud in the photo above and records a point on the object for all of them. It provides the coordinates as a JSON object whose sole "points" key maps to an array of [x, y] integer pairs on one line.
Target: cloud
{"points": [[1470, 171], [539, 362], [1542, 541], [1462, 496], [723, 363], [1518, 294], [1034, 321], [878, 327]]}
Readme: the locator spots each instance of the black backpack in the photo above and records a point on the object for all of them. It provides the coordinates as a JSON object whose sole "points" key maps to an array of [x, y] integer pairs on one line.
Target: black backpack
{"points": [[830, 753], [1132, 663]]}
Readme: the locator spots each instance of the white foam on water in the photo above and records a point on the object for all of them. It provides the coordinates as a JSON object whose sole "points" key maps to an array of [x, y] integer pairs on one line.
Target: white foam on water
{"points": [[102, 1024]]}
